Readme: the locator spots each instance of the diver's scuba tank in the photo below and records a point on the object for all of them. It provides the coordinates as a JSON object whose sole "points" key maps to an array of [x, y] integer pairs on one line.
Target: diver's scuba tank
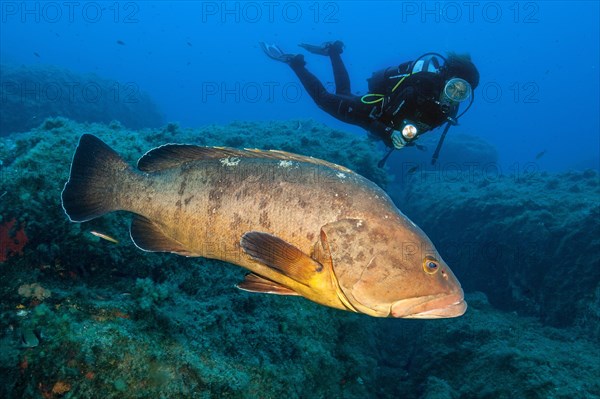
{"points": [[384, 80]]}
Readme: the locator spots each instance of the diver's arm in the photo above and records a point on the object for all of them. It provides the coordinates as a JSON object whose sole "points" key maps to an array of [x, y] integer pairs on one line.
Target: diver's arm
{"points": [[390, 136], [382, 131]]}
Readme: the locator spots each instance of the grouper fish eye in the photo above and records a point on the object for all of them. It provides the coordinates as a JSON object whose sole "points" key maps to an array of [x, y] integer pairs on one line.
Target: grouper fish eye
{"points": [[430, 265]]}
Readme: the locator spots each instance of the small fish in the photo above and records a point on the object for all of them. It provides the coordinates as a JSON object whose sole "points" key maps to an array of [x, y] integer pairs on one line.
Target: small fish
{"points": [[540, 154], [104, 236], [36, 54], [189, 44], [121, 42], [29, 339], [301, 226], [413, 169]]}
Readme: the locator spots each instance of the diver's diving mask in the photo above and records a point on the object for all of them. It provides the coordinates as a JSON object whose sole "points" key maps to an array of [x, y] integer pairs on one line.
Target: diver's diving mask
{"points": [[457, 90]]}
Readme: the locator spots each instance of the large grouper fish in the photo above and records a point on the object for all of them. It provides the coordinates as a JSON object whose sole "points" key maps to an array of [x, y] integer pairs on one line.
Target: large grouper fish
{"points": [[300, 225]]}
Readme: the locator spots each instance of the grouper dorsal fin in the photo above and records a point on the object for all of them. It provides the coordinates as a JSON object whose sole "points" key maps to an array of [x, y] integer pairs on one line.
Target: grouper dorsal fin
{"points": [[148, 236], [256, 283], [281, 256], [173, 155]]}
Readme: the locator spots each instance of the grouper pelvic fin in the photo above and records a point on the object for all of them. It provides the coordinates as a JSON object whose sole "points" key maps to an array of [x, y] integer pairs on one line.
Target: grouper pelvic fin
{"points": [[281, 256], [172, 155], [148, 236], [256, 283]]}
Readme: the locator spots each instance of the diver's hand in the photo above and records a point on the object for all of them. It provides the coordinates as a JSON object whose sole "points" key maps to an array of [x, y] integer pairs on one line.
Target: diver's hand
{"points": [[398, 140]]}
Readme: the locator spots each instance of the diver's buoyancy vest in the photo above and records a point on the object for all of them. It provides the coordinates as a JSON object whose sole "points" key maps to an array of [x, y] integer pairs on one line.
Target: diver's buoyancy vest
{"points": [[384, 80]]}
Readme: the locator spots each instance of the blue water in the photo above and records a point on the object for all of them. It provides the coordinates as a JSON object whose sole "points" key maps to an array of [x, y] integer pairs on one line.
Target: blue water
{"points": [[200, 60]]}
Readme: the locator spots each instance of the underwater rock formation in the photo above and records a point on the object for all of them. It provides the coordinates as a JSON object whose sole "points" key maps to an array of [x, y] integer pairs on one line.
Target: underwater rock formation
{"points": [[84, 317], [459, 150], [33, 93], [529, 241]]}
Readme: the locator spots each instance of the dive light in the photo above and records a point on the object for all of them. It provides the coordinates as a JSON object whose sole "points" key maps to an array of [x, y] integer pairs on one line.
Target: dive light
{"points": [[409, 130]]}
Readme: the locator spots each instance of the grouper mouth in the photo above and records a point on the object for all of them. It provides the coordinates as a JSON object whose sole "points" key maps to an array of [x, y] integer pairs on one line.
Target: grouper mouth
{"points": [[430, 307]]}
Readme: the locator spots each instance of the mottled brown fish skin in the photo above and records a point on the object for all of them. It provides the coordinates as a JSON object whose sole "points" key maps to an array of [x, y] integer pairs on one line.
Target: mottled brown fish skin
{"points": [[369, 257], [208, 205]]}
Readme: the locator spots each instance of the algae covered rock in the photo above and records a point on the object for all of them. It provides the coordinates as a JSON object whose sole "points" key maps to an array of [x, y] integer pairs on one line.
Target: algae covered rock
{"points": [[33, 93], [528, 241], [492, 354], [459, 150]]}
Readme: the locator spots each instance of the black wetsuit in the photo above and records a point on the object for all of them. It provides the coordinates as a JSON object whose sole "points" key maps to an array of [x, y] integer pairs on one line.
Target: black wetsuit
{"points": [[415, 100]]}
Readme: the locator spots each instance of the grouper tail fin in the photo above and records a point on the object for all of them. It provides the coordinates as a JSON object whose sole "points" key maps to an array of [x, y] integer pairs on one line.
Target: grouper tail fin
{"points": [[95, 170]]}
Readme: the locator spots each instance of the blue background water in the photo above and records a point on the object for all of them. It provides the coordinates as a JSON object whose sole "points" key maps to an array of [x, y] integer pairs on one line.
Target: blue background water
{"points": [[201, 63]]}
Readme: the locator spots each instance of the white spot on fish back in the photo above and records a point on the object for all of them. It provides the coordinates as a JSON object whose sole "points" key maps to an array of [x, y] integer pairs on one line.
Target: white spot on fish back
{"points": [[230, 161], [341, 175], [359, 223], [285, 164]]}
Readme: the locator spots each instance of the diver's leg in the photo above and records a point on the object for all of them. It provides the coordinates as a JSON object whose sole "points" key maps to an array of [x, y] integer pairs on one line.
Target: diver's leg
{"points": [[329, 102], [334, 51], [340, 74], [348, 109]]}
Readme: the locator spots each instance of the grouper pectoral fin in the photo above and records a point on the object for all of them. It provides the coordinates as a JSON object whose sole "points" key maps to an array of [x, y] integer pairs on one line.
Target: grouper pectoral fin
{"points": [[148, 236], [256, 283], [281, 256]]}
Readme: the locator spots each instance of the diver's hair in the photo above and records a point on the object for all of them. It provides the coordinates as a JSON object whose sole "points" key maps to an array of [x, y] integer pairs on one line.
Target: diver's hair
{"points": [[461, 66]]}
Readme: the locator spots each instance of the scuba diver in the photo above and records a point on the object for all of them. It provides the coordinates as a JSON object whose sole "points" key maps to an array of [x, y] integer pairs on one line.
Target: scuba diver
{"points": [[404, 101]]}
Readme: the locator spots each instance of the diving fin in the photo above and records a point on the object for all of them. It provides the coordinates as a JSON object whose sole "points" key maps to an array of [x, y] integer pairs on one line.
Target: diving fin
{"points": [[325, 48], [273, 51]]}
